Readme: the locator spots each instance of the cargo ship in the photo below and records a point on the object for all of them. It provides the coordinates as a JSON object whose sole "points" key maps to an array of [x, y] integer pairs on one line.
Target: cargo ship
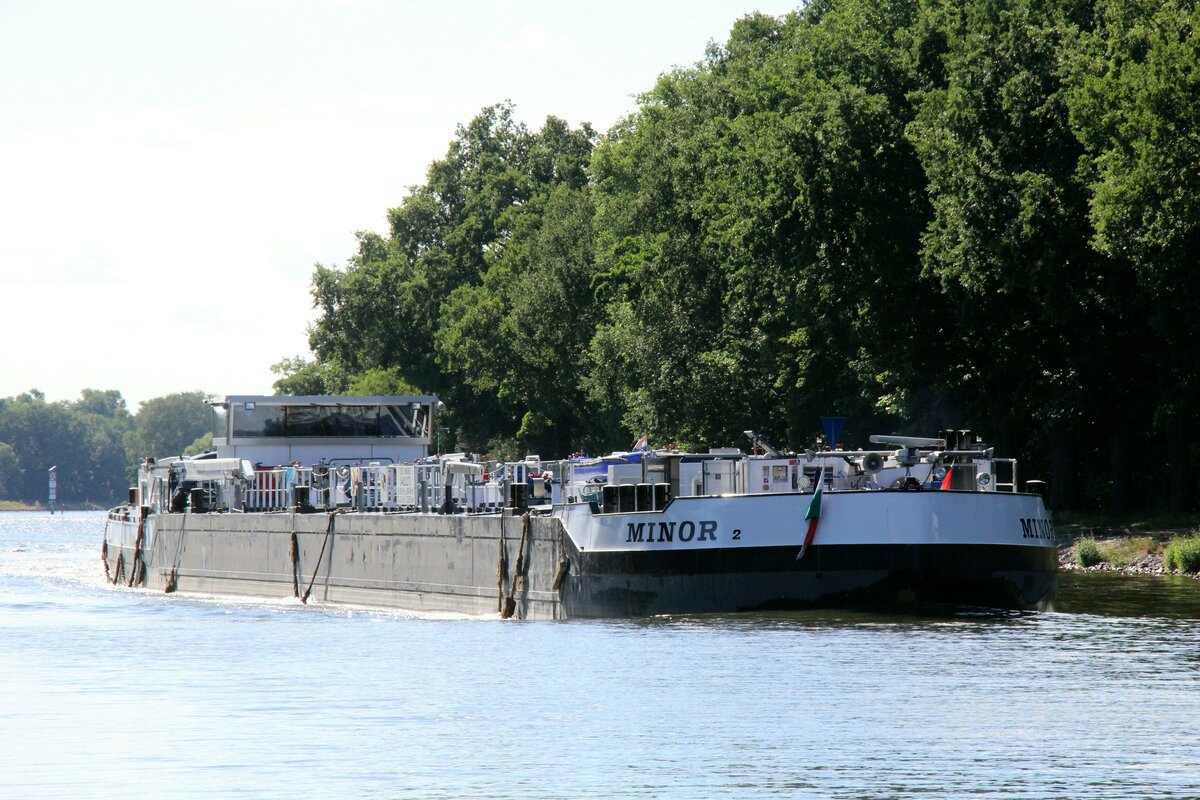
{"points": [[338, 499]]}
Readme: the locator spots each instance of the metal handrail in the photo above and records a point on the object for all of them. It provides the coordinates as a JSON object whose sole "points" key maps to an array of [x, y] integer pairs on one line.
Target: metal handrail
{"points": [[1010, 486]]}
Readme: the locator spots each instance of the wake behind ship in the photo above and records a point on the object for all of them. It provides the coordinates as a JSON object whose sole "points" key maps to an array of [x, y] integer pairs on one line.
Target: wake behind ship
{"points": [[336, 498]]}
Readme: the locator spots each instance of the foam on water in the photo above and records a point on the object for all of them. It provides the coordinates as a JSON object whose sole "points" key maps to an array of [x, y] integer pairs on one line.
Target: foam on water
{"points": [[313, 606]]}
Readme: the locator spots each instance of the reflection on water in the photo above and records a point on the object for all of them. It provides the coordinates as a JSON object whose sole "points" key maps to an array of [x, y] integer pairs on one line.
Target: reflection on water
{"points": [[1116, 595], [116, 693]]}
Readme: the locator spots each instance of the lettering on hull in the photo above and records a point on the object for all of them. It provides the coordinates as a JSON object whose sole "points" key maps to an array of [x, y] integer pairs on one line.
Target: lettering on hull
{"points": [[1036, 528], [650, 532]]}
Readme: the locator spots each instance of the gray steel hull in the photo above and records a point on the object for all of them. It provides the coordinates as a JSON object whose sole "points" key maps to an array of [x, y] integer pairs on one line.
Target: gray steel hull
{"points": [[424, 563], [469, 565]]}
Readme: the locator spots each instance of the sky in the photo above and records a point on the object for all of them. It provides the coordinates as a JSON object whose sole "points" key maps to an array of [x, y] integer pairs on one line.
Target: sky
{"points": [[170, 172]]}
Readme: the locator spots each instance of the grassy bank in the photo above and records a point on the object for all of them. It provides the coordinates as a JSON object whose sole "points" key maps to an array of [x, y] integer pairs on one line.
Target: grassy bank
{"points": [[17, 505], [1160, 525], [1119, 552], [1154, 545]]}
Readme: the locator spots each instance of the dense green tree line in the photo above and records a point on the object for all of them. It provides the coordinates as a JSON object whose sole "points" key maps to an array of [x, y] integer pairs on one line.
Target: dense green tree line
{"points": [[94, 441], [913, 213]]}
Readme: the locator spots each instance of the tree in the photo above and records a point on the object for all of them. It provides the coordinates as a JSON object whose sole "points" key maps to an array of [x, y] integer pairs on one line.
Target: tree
{"points": [[10, 472], [105, 421], [913, 213], [108, 403], [382, 310], [299, 376], [42, 435], [203, 444], [165, 426], [390, 309], [523, 334], [758, 222], [1133, 104], [1008, 237], [380, 382]]}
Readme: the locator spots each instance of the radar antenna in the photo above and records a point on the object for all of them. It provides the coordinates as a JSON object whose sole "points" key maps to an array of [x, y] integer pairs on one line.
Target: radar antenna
{"points": [[908, 441]]}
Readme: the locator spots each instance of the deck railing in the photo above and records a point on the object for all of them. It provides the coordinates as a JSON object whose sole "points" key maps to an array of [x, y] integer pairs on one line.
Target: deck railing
{"points": [[390, 487], [1011, 484]]}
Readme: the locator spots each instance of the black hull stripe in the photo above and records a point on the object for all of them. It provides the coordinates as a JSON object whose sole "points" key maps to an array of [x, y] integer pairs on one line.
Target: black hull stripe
{"points": [[875, 576]]}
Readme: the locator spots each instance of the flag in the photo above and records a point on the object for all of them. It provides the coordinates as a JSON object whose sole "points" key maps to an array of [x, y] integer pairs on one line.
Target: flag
{"points": [[813, 515], [641, 444]]}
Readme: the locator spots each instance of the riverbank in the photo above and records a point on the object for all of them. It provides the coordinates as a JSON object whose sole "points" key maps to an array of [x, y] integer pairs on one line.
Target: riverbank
{"points": [[17, 505], [1132, 549]]}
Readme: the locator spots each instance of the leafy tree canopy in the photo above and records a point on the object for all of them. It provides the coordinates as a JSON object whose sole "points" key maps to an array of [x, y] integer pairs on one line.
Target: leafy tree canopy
{"points": [[913, 213]]}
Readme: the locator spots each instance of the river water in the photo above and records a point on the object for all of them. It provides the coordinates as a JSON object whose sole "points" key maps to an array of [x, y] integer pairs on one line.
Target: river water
{"points": [[112, 692]]}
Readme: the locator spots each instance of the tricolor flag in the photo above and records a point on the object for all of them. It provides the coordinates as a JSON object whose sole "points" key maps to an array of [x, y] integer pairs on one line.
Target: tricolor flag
{"points": [[813, 515], [641, 444]]}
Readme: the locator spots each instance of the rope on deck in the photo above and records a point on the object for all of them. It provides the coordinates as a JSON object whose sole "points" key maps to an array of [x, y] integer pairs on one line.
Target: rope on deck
{"points": [[564, 563], [173, 577], [104, 557], [501, 570], [560, 577], [295, 565], [321, 555], [519, 582], [139, 543]]}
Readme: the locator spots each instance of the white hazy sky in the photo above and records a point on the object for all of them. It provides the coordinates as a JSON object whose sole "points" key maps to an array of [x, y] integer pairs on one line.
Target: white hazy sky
{"points": [[171, 171]]}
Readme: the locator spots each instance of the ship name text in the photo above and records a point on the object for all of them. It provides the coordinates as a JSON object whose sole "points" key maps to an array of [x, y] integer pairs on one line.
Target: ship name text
{"points": [[687, 530], [1036, 528]]}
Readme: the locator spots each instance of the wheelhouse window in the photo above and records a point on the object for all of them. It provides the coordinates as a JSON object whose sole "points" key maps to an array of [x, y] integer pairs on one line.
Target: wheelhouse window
{"points": [[349, 421], [250, 420], [313, 421], [407, 420]]}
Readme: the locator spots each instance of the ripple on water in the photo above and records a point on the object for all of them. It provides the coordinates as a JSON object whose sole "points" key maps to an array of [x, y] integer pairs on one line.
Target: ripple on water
{"points": [[112, 692]]}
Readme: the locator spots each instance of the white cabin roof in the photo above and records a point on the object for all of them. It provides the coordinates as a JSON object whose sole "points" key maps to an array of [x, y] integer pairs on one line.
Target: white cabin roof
{"points": [[324, 400]]}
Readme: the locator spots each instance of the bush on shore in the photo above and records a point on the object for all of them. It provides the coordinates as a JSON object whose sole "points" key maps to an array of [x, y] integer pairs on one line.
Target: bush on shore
{"points": [[1183, 554], [1087, 552]]}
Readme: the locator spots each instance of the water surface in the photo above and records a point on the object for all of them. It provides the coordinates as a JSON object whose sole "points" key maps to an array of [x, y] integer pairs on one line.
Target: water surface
{"points": [[113, 692]]}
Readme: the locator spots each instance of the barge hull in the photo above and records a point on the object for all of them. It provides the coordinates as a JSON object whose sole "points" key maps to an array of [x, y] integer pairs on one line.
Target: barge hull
{"points": [[877, 576], [436, 563]]}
